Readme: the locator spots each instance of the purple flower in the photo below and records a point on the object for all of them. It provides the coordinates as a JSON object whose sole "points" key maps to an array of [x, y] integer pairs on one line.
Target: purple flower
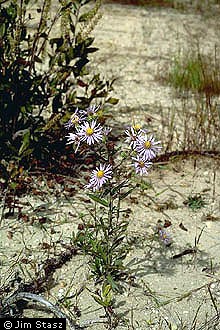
{"points": [[147, 147], [165, 236], [90, 132], [100, 176], [74, 120], [106, 130], [141, 165], [91, 111], [132, 136], [73, 138]]}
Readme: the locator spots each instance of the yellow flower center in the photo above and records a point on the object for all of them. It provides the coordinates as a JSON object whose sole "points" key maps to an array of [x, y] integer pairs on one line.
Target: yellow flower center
{"points": [[89, 131], [99, 113], [164, 236], [136, 127], [141, 164], [74, 119], [100, 174], [147, 144]]}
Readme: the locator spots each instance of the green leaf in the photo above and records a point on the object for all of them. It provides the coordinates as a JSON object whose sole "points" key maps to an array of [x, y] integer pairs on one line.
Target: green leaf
{"points": [[112, 283], [12, 11], [112, 100], [88, 41], [13, 185], [99, 200], [25, 143], [2, 29], [99, 301], [92, 50], [106, 290], [122, 196]]}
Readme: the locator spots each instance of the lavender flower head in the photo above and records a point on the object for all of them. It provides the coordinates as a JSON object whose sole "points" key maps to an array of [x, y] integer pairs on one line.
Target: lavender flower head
{"points": [[74, 120], [100, 176], [141, 165], [165, 236], [92, 111], [147, 147], [73, 138], [133, 133], [90, 132], [106, 130]]}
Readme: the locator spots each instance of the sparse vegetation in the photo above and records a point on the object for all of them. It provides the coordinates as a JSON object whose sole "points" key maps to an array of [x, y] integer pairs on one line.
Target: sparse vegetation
{"points": [[195, 202], [84, 233], [196, 72], [196, 79]]}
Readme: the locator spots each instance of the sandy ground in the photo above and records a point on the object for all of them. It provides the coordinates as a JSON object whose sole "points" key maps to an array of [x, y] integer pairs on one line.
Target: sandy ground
{"points": [[136, 45]]}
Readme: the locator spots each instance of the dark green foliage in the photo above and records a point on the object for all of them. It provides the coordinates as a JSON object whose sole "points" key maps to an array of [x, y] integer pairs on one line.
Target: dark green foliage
{"points": [[43, 74], [20, 89]]}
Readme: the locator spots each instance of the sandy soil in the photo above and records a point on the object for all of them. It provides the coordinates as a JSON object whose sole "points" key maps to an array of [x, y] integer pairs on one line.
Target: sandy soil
{"points": [[136, 45]]}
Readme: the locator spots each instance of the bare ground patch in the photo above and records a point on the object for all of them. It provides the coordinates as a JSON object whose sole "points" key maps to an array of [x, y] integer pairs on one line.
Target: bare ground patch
{"points": [[167, 285]]}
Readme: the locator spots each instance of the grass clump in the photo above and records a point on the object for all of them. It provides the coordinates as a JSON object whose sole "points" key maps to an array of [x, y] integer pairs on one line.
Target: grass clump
{"points": [[196, 78], [195, 202], [196, 72]]}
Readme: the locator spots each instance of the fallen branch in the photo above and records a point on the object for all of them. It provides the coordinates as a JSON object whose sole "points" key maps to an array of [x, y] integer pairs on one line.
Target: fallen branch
{"points": [[34, 297], [187, 153], [13, 299]]}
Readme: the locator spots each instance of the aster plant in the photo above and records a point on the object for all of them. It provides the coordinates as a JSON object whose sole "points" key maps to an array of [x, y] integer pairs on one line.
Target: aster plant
{"points": [[90, 132], [147, 147], [105, 238], [100, 176], [141, 165], [76, 118]]}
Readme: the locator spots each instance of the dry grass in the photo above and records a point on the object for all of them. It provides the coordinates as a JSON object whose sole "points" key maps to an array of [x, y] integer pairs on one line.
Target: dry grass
{"points": [[196, 72], [196, 5], [157, 3], [199, 129], [196, 79]]}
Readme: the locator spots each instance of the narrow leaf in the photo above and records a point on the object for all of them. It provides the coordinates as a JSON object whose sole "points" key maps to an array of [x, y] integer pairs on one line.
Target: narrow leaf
{"points": [[99, 301], [99, 200], [122, 196], [112, 100]]}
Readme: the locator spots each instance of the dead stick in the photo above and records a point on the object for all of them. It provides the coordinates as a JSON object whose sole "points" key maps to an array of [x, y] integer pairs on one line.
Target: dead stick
{"points": [[34, 297]]}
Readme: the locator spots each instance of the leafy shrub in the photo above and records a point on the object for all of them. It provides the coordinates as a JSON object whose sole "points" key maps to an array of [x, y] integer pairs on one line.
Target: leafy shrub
{"points": [[21, 89], [43, 74]]}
